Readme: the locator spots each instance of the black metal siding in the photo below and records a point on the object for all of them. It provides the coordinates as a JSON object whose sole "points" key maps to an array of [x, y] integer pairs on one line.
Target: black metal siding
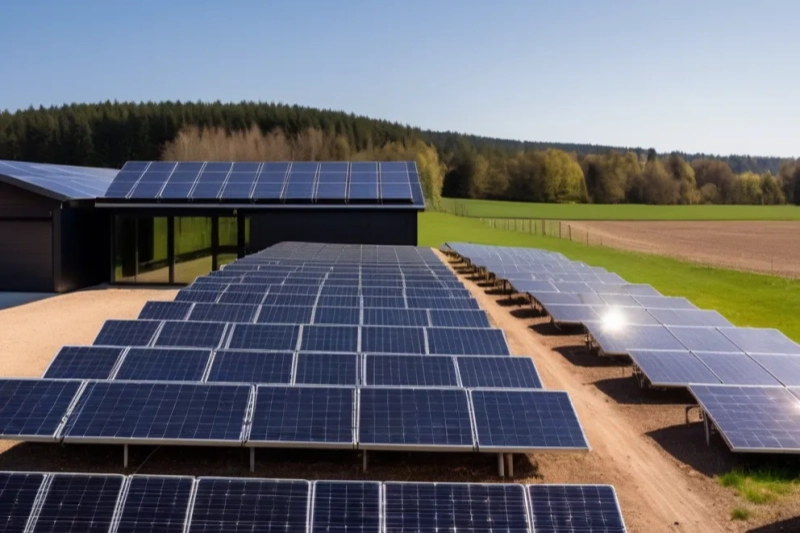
{"points": [[392, 227]]}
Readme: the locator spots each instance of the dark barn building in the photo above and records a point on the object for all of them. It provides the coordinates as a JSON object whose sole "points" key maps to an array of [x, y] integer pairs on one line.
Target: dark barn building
{"points": [[63, 228], [52, 238]]}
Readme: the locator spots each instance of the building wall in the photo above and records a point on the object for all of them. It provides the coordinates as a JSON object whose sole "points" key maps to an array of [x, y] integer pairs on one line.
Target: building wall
{"points": [[83, 248], [362, 226]]}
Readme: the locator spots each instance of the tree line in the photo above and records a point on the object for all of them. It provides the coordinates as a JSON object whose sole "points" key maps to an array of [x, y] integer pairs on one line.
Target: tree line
{"points": [[108, 134]]}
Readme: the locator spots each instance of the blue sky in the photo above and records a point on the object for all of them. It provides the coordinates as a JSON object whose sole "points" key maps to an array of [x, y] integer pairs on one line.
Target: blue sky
{"points": [[717, 76]]}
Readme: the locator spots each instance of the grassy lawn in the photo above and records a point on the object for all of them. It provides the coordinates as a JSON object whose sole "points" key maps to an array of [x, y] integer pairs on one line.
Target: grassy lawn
{"points": [[490, 208], [745, 299]]}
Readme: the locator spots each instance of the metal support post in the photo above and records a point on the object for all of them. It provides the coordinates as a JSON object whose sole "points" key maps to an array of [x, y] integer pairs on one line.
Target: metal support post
{"points": [[252, 459], [500, 466], [708, 431], [125, 456], [510, 465]]}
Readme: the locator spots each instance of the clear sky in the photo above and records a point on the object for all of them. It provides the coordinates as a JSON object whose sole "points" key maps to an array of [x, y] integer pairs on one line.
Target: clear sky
{"points": [[715, 76]]}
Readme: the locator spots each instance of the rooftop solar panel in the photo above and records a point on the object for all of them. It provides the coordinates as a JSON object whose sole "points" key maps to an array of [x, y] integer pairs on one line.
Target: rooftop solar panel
{"points": [[465, 341], [62, 182], [273, 337], [760, 340], [467, 508], [165, 310], [736, 369], [233, 366], [18, 491], [191, 334], [498, 372], [699, 339], [406, 418], [78, 503], [672, 368], [392, 340], [223, 312], [250, 505], [346, 507], [575, 509], [110, 412], [753, 419], [83, 362], [327, 369], [525, 420], [155, 504], [163, 364], [32, 409], [410, 370], [127, 333], [303, 416], [330, 339]]}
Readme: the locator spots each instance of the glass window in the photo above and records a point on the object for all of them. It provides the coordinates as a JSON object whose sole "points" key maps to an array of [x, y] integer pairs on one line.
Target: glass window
{"points": [[193, 248]]}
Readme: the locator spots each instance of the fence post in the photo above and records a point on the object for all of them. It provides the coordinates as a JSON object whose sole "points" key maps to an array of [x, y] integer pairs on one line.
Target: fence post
{"points": [[587, 237], [559, 229], [570, 231]]}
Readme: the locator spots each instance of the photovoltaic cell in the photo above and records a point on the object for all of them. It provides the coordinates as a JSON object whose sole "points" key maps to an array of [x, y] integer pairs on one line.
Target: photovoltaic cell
{"points": [[83, 362], [77, 503], [443, 303], [464, 341], [293, 300], [384, 302], [191, 334], [272, 314], [381, 316], [337, 315], [250, 505], [275, 337], [127, 333], [397, 418], [498, 372], [303, 415], [251, 367], [18, 492], [459, 319], [327, 369], [223, 312], [155, 504], [673, 368], [410, 370], [33, 408], [467, 508], [185, 295], [520, 420], [163, 364], [392, 340], [165, 310], [245, 298], [346, 507], [753, 419], [330, 339], [153, 412], [575, 509]]}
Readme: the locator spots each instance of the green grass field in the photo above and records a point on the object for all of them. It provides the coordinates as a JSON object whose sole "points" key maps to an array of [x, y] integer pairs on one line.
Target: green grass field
{"points": [[745, 299], [497, 209]]}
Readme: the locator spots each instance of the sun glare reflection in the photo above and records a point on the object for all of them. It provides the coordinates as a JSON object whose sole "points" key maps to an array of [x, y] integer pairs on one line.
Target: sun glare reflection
{"points": [[613, 320]]}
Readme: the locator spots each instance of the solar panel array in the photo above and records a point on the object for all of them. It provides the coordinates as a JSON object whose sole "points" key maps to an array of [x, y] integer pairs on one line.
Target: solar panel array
{"points": [[743, 378], [281, 374], [60, 181], [288, 183], [174, 504]]}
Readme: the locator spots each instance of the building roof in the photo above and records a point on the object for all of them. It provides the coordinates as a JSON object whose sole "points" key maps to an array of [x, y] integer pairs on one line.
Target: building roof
{"points": [[330, 184], [59, 182]]}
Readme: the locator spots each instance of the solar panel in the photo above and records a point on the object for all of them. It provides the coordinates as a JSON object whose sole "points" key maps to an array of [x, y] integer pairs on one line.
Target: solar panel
{"points": [[191, 334], [459, 319], [500, 372], [672, 368], [337, 315], [165, 310], [689, 317], [561, 298], [443, 303], [33, 409], [622, 339], [78, 503], [462, 507], [392, 340], [156, 504], [330, 339], [272, 314], [410, 370], [572, 314], [185, 295], [381, 316], [275, 337], [736, 369], [159, 364], [110, 412], [752, 419], [291, 300], [127, 333], [18, 491], [699, 339], [575, 509], [250, 505], [624, 315], [327, 369], [759, 340], [524, 420], [664, 302], [339, 301], [463, 341], [786, 368], [83, 362], [383, 302], [346, 507], [251, 367], [243, 298], [223, 312], [619, 300], [406, 418], [297, 416]]}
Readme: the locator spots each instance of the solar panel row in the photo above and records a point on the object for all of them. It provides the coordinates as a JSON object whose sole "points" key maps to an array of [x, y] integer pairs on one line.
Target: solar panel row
{"points": [[174, 504], [488, 420]]}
